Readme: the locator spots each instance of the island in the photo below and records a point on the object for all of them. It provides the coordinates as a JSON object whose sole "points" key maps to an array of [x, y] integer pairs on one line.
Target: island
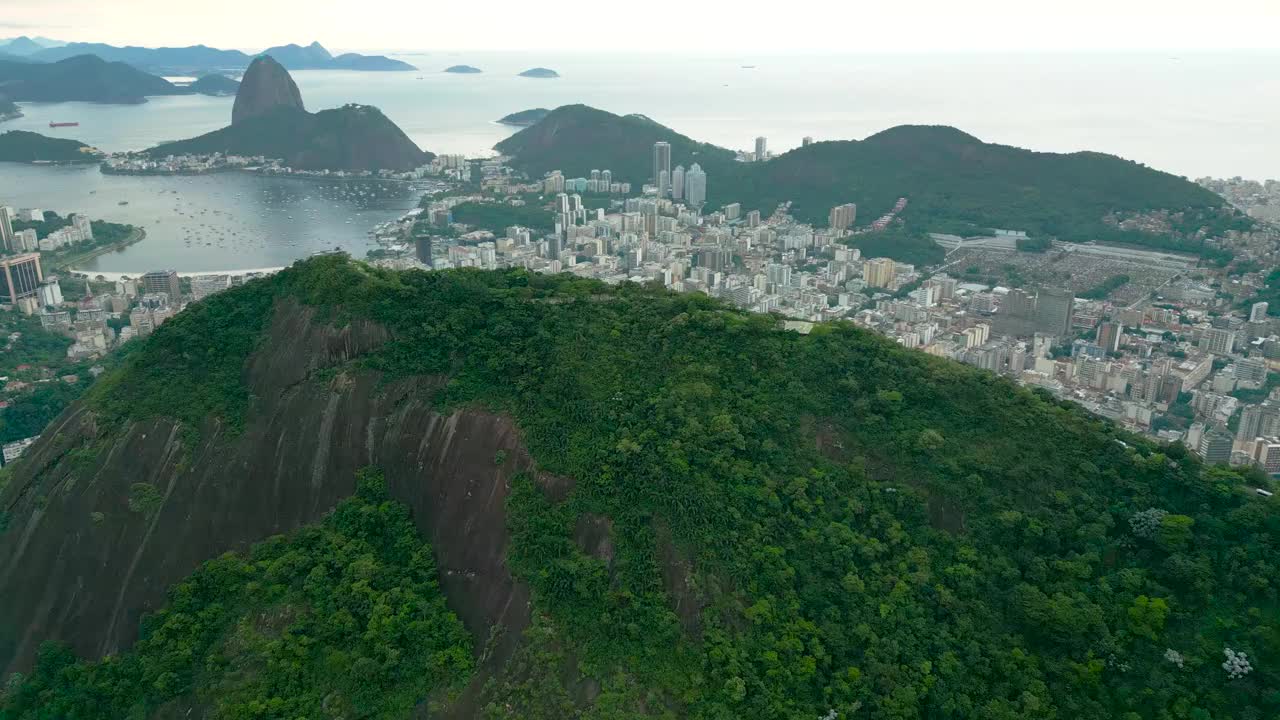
{"points": [[525, 118], [28, 147], [540, 72], [215, 85], [8, 109], [270, 120], [463, 70]]}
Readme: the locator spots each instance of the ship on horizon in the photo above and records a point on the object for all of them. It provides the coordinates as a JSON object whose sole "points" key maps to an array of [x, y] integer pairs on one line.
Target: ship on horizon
{"points": [[63, 124]]}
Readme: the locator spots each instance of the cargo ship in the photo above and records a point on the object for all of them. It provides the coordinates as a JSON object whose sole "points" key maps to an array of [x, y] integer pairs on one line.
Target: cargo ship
{"points": [[58, 124]]}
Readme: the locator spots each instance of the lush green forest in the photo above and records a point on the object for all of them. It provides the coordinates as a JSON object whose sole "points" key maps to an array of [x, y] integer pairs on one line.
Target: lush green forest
{"points": [[800, 524], [352, 137], [23, 146], [952, 180], [497, 217], [343, 619], [900, 243], [85, 78]]}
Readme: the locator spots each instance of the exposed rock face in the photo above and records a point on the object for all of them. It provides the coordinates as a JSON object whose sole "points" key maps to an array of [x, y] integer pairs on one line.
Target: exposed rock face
{"points": [[80, 566], [266, 88]]}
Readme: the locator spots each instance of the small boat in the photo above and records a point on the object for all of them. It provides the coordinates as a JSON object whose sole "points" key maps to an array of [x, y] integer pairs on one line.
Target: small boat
{"points": [[123, 202]]}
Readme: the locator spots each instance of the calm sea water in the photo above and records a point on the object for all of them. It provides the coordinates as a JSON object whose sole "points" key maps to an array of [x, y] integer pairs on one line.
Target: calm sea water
{"points": [[1193, 114], [229, 221]]}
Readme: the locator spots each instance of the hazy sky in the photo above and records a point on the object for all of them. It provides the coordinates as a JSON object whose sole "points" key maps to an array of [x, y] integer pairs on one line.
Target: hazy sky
{"points": [[736, 26]]}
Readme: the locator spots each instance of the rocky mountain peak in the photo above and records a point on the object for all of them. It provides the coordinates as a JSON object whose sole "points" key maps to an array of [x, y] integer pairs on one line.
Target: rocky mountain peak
{"points": [[266, 87]]}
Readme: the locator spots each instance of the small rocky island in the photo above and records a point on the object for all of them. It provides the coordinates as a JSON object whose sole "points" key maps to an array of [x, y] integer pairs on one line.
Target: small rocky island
{"points": [[540, 72], [525, 118], [463, 70], [216, 85]]}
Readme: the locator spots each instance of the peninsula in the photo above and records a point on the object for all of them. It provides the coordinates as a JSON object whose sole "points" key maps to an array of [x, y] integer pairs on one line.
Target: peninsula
{"points": [[28, 147], [270, 120], [524, 118]]}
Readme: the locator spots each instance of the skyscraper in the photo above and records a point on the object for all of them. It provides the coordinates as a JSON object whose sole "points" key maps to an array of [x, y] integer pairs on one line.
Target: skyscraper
{"points": [[164, 281], [842, 216], [879, 272], [807, 141], [661, 166], [677, 183], [762, 148], [1257, 313], [6, 230], [1219, 341], [1053, 311], [695, 186], [422, 247], [1109, 336]]}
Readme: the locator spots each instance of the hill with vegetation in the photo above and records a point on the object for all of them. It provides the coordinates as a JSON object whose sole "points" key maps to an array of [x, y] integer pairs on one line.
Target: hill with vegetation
{"points": [[214, 84], [27, 147], [525, 118], [269, 119], [8, 109], [85, 78], [540, 72], [463, 70], [953, 181], [352, 137], [639, 503]]}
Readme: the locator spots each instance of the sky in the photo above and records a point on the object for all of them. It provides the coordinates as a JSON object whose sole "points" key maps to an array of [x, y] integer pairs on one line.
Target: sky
{"points": [[660, 26]]}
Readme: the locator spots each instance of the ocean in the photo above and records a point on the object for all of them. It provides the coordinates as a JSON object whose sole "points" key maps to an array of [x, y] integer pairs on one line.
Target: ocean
{"points": [[1191, 114]]}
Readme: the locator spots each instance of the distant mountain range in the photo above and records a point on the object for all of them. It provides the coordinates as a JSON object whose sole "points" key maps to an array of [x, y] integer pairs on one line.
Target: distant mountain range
{"points": [[88, 78], [953, 181], [24, 45], [269, 119], [200, 57]]}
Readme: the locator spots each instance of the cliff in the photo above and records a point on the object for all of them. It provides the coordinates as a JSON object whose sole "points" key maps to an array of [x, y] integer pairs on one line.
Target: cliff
{"points": [[269, 119], [640, 503], [265, 88]]}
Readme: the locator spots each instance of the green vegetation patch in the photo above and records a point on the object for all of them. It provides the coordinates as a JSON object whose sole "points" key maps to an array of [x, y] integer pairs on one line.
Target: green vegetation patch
{"points": [[343, 619], [801, 524], [497, 217]]}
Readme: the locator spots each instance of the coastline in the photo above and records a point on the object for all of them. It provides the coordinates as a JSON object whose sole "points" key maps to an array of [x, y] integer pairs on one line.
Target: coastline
{"points": [[65, 263]]}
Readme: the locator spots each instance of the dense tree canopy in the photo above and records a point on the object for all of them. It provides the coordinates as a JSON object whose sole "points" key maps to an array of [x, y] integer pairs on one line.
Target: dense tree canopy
{"points": [[344, 619], [799, 524]]}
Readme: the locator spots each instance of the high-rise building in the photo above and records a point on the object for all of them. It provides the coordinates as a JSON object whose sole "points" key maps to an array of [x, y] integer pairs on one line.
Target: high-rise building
{"points": [[606, 177], [1219, 341], [879, 272], [163, 281], [695, 186], [842, 217], [81, 223], [807, 141], [1257, 313], [6, 231], [1016, 315], [1109, 336], [662, 166], [22, 276], [762, 149], [1215, 447], [753, 218], [422, 246], [562, 203], [1053, 311], [677, 183]]}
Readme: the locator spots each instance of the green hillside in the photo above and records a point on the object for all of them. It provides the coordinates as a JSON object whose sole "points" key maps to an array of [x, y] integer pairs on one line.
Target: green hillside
{"points": [[85, 78], [727, 520], [952, 180], [577, 139], [353, 137], [23, 146]]}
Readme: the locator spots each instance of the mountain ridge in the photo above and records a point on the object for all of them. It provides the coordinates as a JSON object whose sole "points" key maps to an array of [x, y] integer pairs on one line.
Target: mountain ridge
{"points": [[950, 178], [203, 57], [694, 507]]}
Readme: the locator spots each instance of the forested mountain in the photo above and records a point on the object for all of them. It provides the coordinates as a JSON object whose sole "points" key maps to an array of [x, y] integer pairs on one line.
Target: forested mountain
{"points": [[952, 179], [269, 119], [23, 146], [85, 78], [639, 504]]}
